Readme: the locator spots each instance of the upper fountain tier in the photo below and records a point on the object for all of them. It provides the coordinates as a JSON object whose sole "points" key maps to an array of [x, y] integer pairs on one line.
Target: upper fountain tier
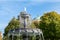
{"points": [[25, 19]]}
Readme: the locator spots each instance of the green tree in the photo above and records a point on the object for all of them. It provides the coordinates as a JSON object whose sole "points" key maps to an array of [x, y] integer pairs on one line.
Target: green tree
{"points": [[13, 24], [32, 25], [50, 24], [36, 23]]}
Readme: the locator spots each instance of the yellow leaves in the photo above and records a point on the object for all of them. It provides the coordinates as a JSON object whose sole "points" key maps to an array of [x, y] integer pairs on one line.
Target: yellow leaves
{"points": [[32, 25], [36, 23], [0, 36]]}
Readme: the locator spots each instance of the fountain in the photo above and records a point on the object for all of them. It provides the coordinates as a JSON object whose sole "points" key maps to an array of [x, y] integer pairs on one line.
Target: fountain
{"points": [[25, 32]]}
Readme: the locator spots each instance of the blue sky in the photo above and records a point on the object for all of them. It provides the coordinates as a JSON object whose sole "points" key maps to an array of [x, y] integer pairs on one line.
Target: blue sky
{"points": [[11, 8]]}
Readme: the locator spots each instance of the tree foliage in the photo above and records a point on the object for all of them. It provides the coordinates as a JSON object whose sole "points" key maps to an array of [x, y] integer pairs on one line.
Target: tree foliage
{"points": [[36, 23], [32, 25], [50, 24], [14, 23]]}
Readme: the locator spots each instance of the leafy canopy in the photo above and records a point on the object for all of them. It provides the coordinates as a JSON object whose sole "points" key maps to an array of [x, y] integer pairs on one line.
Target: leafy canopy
{"points": [[50, 24], [13, 24]]}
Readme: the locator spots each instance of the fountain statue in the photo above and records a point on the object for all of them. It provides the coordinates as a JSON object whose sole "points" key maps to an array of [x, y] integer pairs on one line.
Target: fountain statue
{"points": [[25, 32]]}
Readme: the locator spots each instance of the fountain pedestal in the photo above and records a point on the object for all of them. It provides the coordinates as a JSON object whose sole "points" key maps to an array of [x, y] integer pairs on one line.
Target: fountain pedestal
{"points": [[25, 32]]}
